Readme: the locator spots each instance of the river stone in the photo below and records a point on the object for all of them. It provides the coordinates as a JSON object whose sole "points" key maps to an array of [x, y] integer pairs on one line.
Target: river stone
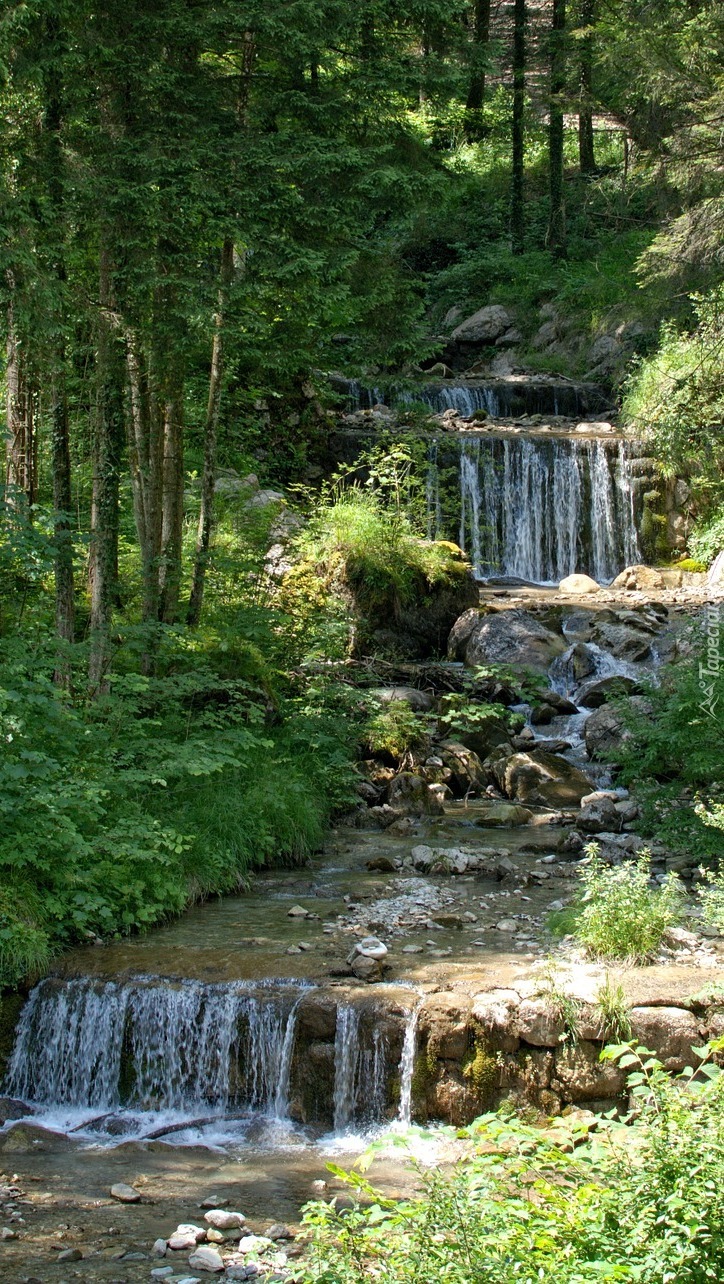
{"points": [[298, 911], [419, 701], [542, 779], [411, 794], [579, 585], [207, 1259], [70, 1255], [367, 969], [484, 326], [254, 1244], [638, 577], [223, 1219], [278, 1231], [507, 925], [599, 817], [593, 694], [159, 1248], [466, 769], [12, 1109], [125, 1194], [605, 731], [503, 815], [186, 1236], [512, 637]]}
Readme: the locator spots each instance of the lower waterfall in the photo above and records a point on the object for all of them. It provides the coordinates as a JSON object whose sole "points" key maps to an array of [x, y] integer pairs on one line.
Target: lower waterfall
{"points": [[196, 1050], [538, 508]]}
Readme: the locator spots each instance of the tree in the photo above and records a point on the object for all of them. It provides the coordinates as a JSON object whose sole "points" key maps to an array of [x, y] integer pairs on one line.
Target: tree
{"points": [[557, 46], [517, 209], [586, 147]]}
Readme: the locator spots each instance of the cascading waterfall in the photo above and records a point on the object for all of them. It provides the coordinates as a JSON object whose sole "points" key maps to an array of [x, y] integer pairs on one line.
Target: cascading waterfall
{"points": [[360, 1071], [407, 1067], [154, 1045], [542, 508], [499, 398]]}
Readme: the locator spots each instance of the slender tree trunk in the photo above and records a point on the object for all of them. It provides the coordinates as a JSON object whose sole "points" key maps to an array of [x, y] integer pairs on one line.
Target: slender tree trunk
{"points": [[557, 222], [106, 465], [172, 507], [62, 495], [517, 203], [20, 445], [216, 378], [476, 89], [586, 147]]}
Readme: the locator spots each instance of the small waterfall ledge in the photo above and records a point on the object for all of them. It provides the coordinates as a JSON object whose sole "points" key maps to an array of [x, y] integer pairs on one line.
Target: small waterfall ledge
{"points": [[110, 1054], [536, 508]]}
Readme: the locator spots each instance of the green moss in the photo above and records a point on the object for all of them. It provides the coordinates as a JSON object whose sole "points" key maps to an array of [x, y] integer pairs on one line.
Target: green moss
{"points": [[480, 1069]]}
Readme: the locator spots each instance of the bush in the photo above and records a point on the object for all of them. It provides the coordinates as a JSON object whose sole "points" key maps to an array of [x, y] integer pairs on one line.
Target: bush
{"points": [[395, 730], [707, 539], [621, 915], [640, 1203]]}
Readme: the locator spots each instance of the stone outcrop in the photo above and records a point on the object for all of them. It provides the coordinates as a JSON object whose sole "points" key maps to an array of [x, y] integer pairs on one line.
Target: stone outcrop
{"points": [[513, 637], [541, 779]]}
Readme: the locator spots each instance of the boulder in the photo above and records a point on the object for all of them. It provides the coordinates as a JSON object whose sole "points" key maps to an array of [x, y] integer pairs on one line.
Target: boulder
{"points": [[370, 947], [593, 694], [443, 1026], [494, 1016], [185, 1237], [484, 739], [367, 969], [419, 701], [580, 1075], [670, 1033], [625, 642], [638, 578], [599, 817], [542, 779], [466, 769], [539, 1024], [208, 1259], [579, 585], [604, 732], [512, 637], [412, 795], [501, 815], [125, 1194], [484, 326]]}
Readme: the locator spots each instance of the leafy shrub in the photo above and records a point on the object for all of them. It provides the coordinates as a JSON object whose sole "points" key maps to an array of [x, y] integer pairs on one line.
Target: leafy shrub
{"points": [[639, 1203], [395, 730], [690, 565], [707, 539], [621, 915]]}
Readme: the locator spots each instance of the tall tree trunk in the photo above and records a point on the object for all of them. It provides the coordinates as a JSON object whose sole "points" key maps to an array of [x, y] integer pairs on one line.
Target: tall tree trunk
{"points": [[106, 465], [476, 89], [172, 506], [557, 221], [20, 446], [586, 147], [517, 203], [62, 496], [216, 378]]}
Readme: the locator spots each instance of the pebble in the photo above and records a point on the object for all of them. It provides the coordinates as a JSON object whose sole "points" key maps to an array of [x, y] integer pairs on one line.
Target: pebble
{"points": [[298, 911], [412, 949], [159, 1248], [160, 1272], [213, 1202], [214, 1236], [507, 925], [125, 1194], [7, 1233], [254, 1244], [70, 1255], [223, 1219]]}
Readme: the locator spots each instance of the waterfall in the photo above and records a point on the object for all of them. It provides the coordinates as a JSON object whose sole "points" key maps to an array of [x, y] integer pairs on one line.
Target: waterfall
{"points": [[543, 508], [346, 1063], [500, 398], [407, 1066], [153, 1045]]}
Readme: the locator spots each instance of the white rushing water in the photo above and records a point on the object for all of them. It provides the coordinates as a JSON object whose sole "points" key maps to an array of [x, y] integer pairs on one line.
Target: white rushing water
{"points": [[156, 1046], [407, 1067], [543, 508]]}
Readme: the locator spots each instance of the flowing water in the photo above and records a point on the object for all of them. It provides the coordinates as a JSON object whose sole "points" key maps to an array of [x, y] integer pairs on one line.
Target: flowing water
{"points": [[499, 398], [541, 508]]}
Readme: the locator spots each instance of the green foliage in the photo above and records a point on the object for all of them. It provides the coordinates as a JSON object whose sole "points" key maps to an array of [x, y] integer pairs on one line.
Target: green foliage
{"points": [[674, 399], [707, 539], [117, 813], [612, 1006], [395, 730], [621, 915], [674, 754], [637, 1203]]}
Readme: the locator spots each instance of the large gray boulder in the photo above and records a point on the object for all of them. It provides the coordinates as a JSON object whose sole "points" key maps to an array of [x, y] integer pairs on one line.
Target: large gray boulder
{"points": [[512, 637], [606, 730], [484, 326], [598, 692], [542, 779]]}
